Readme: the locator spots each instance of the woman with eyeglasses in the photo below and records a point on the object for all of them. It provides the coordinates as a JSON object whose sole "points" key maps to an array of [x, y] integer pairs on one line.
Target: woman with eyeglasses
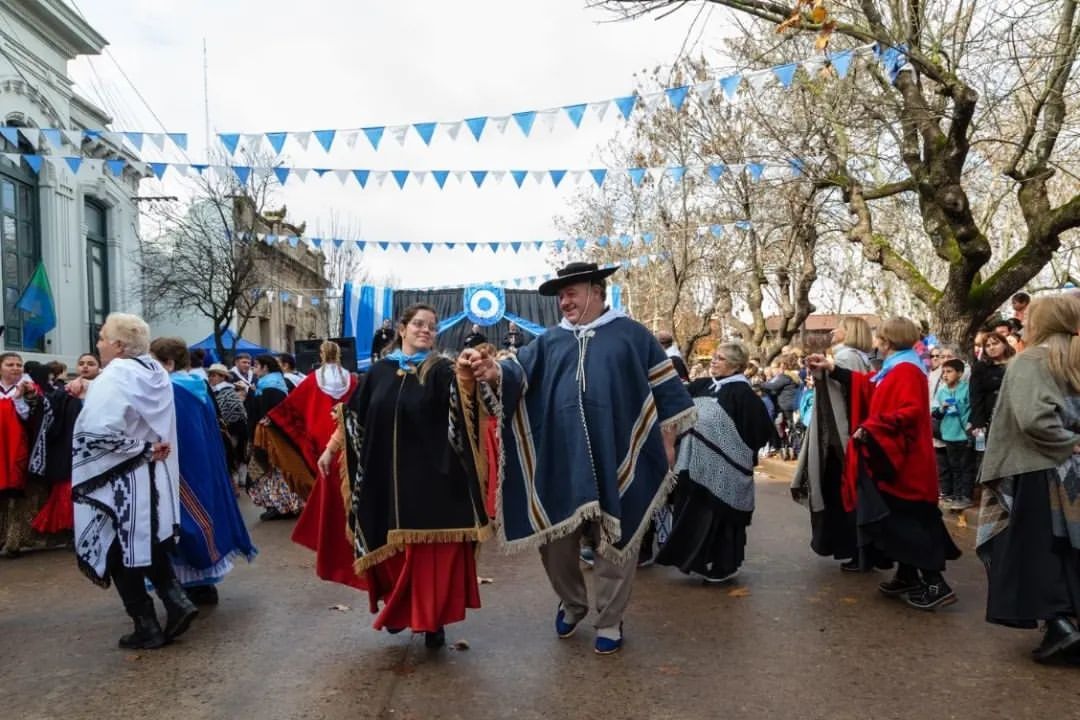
{"points": [[415, 469]]}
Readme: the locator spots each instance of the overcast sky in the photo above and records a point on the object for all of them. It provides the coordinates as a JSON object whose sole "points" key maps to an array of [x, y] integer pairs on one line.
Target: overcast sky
{"points": [[277, 65]]}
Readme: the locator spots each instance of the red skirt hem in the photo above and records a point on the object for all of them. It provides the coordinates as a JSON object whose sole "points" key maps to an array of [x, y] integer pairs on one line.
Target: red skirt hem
{"points": [[427, 586], [58, 513]]}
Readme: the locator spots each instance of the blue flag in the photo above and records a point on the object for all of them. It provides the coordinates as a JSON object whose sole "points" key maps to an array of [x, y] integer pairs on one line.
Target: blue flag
{"points": [[37, 302]]}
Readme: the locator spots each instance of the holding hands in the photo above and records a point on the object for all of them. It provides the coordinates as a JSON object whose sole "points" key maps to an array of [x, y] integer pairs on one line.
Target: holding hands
{"points": [[479, 365], [818, 361]]}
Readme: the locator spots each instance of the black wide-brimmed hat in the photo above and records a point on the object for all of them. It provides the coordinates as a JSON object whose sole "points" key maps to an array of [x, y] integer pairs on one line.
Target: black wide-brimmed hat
{"points": [[575, 272]]}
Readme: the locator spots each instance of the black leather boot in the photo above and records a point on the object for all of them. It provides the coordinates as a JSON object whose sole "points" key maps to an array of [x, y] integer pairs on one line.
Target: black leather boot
{"points": [[435, 640], [181, 611], [1061, 637], [147, 635]]}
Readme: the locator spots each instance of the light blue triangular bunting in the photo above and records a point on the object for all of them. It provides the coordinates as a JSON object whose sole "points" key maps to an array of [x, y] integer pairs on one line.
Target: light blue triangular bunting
{"points": [[716, 172], [676, 173], [116, 167], [53, 137], [179, 140], [428, 246], [755, 170], [374, 135], [230, 141], [625, 105], [797, 167], [519, 176], [158, 168], [494, 247], [277, 141], [525, 121], [405, 246], [516, 246], [471, 246], [136, 139], [598, 175], [677, 96], [242, 173], [625, 240], [440, 177], [602, 241], [476, 126], [717, 230], [478, 176], [282, 174], [200, 167], [11, 135], [400, 176], [384, 245], [556, 176], [785, 73], [581, 243], [361, 176], [425, 131], [325, 138], [647, 238], [742, 224], [575, 113], [730, 84], [841, 62], [293, 241], [636, 175], [317, 242]]}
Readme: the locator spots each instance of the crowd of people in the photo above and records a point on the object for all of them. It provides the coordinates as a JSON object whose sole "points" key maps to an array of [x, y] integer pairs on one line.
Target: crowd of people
{"points": [[592, 442]]}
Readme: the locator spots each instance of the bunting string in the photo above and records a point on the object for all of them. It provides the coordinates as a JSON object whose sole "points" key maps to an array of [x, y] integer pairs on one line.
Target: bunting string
{"points": [[892, 59], [367, 178], [531, 281], [623, 240]]}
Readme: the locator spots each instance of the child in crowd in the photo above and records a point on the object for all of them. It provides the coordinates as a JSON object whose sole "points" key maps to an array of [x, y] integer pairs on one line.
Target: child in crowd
{"points": [[956, 462]]}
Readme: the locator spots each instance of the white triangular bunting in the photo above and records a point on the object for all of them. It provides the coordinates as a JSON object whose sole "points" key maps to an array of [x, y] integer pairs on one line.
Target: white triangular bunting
{"points": [[419, 176], [74, 138], [32, 135], [601, 108], [704, 89], [343, 175], [548, 117], [158, 139], [759, 79], [813, 66], [399, 133], [180, 169], [350, 139], [538, 176], [657, 174], [301, 173], [452, 129], [498, 175], [459, 175], [500, 123], [302, 138], [575, 176], [379, 176]]}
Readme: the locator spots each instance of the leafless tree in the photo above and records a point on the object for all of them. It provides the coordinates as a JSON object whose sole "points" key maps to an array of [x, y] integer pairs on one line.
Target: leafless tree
{"points": [[970, 126]]}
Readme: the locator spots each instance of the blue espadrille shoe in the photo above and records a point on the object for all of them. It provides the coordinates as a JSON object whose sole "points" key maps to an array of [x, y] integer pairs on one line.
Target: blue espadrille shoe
{"points": [[608, 646], [563, 628]]}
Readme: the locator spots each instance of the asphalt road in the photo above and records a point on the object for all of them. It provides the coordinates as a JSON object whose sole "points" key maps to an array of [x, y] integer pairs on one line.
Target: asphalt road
{"points": [[792, 638]]}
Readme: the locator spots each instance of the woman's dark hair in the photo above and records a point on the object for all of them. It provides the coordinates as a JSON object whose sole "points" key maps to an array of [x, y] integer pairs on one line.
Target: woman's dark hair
{"points": [[39, 373], [269, 362], [198, 357], [5, 356], [90, 354], [287, 359], [995, 338], [406, 318]]}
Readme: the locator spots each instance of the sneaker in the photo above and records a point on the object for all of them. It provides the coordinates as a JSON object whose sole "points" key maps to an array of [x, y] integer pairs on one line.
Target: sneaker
{"points": [[960, 504], [588, 556], [563, 628], [931, 597], [607, 646], [853, 566], [899, 586]]}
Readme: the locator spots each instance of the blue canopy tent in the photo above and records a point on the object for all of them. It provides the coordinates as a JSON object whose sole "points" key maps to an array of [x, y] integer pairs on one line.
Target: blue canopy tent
{"points": [[230, 341]]}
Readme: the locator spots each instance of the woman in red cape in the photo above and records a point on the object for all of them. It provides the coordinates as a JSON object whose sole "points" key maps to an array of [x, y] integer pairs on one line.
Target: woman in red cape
{"points": [[890, 474], [306, 417], [413, 484]]}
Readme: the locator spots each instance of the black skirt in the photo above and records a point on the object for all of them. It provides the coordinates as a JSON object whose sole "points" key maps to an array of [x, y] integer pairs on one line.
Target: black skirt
{"points": [[833, 529], [708, 536], [907, 531], [1032, 575]]}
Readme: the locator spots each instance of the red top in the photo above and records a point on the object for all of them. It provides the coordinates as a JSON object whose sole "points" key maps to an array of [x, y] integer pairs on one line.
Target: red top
{"points": [[895, 413]]}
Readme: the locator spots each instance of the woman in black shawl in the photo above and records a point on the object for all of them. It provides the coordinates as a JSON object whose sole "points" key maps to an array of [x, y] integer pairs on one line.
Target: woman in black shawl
{"points": [[415, 492], [714, 500]]}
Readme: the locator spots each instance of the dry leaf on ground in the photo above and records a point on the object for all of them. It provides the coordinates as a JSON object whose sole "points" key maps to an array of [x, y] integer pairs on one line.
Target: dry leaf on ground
{"points": [[340, 608], [460, 645], [739, 592], [486, 580]]}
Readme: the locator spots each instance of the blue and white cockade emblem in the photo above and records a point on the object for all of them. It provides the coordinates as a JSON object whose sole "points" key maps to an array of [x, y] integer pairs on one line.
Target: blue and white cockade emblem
{"points": [[485, 304]]}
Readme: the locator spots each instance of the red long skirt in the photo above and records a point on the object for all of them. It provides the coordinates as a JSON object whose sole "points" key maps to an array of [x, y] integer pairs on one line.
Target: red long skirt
{"points": [[424, 588], [58, 513]]}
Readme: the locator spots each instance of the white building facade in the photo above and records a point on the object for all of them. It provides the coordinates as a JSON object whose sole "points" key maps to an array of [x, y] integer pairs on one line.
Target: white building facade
{"points": [[82, 224]]}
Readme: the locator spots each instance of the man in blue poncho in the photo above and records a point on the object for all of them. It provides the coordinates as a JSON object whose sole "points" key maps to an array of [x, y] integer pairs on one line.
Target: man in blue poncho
{"points": [[592, 409], [212, 531]]}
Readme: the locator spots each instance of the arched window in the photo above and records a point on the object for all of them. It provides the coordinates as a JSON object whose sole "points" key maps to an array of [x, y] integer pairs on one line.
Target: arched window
{"points": [[97, 265], [20, 236]]}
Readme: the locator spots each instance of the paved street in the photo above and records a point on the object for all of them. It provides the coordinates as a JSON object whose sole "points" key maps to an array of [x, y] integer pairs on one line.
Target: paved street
{"points": [[793, 638]]}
